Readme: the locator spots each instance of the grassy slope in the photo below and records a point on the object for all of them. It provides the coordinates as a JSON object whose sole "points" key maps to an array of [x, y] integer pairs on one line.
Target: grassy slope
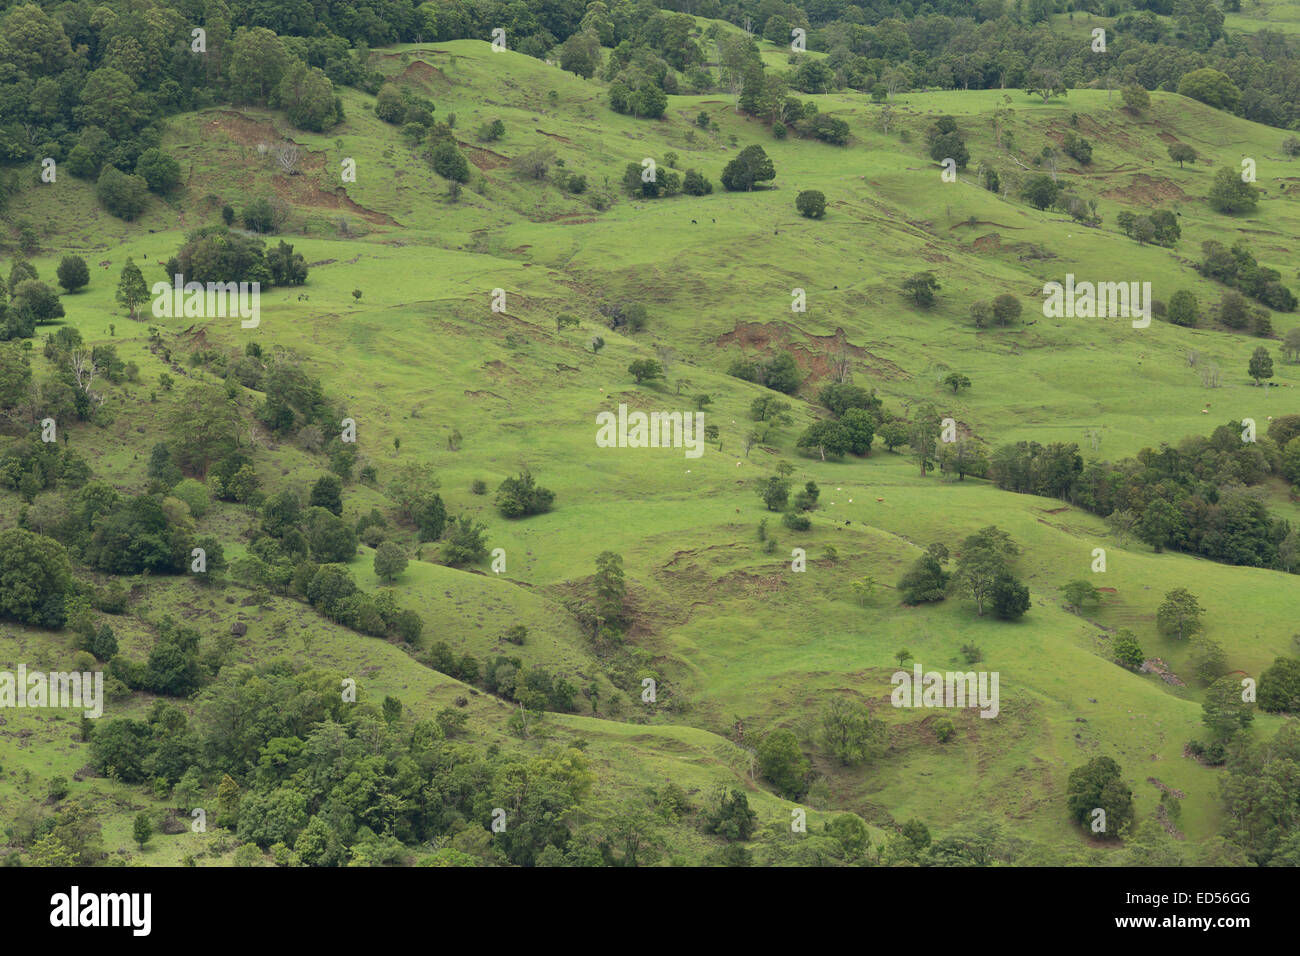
{"points": [[732, 632]]}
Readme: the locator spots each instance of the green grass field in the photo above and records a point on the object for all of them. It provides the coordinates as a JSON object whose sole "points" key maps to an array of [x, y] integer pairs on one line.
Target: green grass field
{"points": [[731, 633]]}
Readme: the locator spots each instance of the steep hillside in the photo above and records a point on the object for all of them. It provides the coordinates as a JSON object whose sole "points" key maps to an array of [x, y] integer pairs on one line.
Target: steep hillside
{"points": [[738, 643]]}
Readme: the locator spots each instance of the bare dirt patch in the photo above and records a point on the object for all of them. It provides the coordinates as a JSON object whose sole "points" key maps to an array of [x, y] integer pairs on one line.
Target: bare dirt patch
{"points": [[1155, 665], [818, 356], [484, 158], [300, 191], [1146, 189], [423, 74], [239, 128]]}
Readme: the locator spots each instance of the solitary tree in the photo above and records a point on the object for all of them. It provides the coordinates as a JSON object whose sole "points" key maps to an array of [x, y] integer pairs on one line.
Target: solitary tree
{"points": [[645, 370], [920, 288], [1079, 594], [811, 203], [73, 273], [142, 829], [955, 381], [390, 561], [1181, 153], [131, 290], [1180, 615], [1261, 365]]}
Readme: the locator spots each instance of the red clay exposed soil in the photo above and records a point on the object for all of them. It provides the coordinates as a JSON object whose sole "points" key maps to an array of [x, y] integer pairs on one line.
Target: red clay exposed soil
{"points": [[300, 191], [819, 356], [422, 74]]}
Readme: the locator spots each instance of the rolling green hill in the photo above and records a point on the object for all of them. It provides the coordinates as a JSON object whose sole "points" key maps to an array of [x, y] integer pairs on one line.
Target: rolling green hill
{"points": [[740, 645]]}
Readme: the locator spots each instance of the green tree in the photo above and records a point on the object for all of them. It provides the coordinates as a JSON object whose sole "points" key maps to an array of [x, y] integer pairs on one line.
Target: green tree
{"points": [[36, 303], [123, 195], [1079, 594], [1291, 345], [1210, 661], [955, 381], [1099, 784], [1183, 309], [15, 374], [257, 63], [923, 437], [1009, 597], [228, 796], [1223, 711], [1179, 616], [142, 829], [1159, 524], [73, 273], [925, 581], [521, 496], [390, 561], [306, 95], [327, 493], [35, 579], [1040, 191], [921, 288], [449, 162], [161, 172], [982, 569], [827, 438], [464, 542], [850, 734], [1135, 97], [775, 492], [1211, 87], [131, 290], [332, 540], [109, 101], [894, 433], [580, 54], [610, 588], [1182, 153], [1126, 650], [203, 425], [782, 762], [1261, 365], [1279, 686], [750, 168], [811, 203], [1229, 194], [645, 370]]}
